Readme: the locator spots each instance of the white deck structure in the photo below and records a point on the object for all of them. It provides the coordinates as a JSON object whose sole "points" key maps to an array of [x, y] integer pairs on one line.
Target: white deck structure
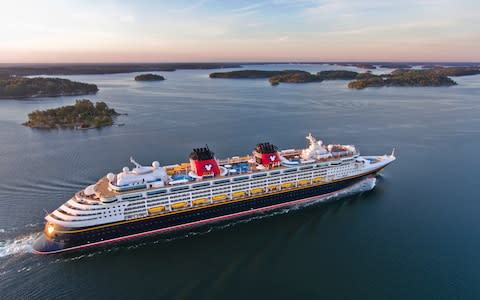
{"points": [[145, 191]]}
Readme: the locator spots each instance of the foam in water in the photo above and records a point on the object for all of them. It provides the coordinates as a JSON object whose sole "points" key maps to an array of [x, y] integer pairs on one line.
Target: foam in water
{"points": [[18, 245], [23, 244], [363, 186]]}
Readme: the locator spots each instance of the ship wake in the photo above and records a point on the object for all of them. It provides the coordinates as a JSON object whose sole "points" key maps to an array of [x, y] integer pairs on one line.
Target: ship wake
{"points": [[360, 187], [23, 244], [18, 245]]}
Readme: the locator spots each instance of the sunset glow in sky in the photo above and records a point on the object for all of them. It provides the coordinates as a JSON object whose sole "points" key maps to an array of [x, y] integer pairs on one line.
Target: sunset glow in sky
{"points": [[221, 30]]}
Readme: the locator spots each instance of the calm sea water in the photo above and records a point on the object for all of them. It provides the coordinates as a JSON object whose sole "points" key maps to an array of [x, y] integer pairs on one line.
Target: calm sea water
{"points": [[416, 235]]}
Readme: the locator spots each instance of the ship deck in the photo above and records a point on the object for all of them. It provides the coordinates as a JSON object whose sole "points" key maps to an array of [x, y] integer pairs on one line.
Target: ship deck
{"points": [[102, 189]]}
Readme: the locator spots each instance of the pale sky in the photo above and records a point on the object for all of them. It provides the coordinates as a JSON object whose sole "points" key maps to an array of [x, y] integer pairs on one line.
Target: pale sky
{"points": [[222, 30]]}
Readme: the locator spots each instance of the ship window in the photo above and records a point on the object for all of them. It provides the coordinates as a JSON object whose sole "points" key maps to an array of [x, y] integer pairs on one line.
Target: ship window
{"points": [[201, 185], [156, 192], [241, 178], [289, 171], [274, 173], [138, 196], [222, 181], [180, 188], [306, 168], [259, 175]]}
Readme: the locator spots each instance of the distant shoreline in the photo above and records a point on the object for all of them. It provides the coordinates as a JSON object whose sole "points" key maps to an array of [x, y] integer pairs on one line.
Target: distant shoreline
{"points": [[32, 69], [433, 77], [46, 96], [101, 69], [19, 87]]}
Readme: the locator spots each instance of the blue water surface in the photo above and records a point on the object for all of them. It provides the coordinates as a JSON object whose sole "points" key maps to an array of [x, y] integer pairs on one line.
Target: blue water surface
{"points": [[415, 236]]}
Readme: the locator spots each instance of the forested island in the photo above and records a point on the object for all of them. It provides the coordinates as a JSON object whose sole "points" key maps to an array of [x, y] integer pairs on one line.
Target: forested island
{"points": [[149, 77], [90, 68], [402, 77], [435, 76], [287, 76], [357, 65], [111, 68], [82, 115], [294, 77], [248, 74], [455, 71], [338, 75], [395, 66], [24, 87]]}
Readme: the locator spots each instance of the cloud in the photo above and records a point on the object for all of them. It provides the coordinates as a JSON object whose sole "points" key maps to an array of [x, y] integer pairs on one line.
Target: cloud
{"points": [[326, 29], [190, 7], [249, 7], [282, 39]]}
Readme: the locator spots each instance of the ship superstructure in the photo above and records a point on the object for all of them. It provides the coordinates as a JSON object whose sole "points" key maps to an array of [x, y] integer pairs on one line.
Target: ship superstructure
{"points": [[151, 199]]}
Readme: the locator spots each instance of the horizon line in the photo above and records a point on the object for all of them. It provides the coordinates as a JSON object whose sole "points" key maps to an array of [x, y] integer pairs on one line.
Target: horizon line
{"points": [[243, 61]]}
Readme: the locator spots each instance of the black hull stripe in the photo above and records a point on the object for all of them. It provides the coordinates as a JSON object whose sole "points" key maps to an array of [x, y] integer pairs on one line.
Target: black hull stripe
{"points": [[183, 219], [195, 223], [215, 204]]}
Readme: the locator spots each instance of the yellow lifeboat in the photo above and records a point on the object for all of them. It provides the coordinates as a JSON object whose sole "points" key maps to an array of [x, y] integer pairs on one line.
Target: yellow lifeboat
{"points": [[178, 205], [272, 188], [287, 185], [178, 169], [199, 201], [219, 197], [303, 182], [156, 209], [238, 194], [257, 190], [317, 179]]}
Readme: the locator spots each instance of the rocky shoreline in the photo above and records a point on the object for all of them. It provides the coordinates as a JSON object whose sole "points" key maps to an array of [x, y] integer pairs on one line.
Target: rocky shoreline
{"points": [[433, 77], [149, 77], [82, 115]]}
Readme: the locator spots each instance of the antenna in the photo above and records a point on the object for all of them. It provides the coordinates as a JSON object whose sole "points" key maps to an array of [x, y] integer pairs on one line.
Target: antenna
{"points": [[135, 163]]}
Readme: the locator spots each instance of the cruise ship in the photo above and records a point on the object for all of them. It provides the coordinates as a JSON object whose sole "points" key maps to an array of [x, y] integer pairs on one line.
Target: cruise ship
{"points": [[156, 199]]}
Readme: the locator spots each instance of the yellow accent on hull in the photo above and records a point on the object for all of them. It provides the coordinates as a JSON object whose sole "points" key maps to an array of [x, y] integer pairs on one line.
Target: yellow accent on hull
{"points": [[156, 209], [238, 194], [287, 185], [317, 179], [273, 187], [257, 190], [199, 201], [178, 205], [196, 208], [219, 197], [303, 182]]}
